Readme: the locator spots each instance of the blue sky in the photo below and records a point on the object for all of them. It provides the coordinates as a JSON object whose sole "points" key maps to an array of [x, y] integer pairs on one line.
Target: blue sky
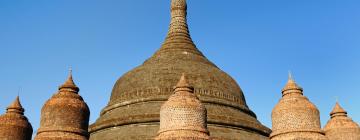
{"points": [[257, 42]]}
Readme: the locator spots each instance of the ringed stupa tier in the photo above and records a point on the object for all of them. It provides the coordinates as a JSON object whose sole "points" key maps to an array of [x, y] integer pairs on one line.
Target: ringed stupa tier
{"points": [[65, 116], [13, 124], [134, 106]]}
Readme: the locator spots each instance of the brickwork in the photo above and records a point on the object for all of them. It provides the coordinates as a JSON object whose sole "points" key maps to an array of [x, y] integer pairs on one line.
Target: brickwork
{"points": [[144, 105], [340, 126], [183, 116], [148, 86], [13, 124], [295, 117], [65, 116]]}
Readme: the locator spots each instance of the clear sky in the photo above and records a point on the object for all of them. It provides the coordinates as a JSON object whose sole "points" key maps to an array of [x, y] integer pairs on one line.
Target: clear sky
{"points": [[256, 41]]}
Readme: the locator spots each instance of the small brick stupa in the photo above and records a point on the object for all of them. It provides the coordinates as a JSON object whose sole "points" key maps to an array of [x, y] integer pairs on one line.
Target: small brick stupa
{"points": [[295, 117], [13, 124], [340, 126], [183, 116], [65, 116]]}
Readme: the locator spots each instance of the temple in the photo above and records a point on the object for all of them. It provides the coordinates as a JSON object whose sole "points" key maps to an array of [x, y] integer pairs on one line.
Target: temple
{"points": [[148, 86], [177, 94]]}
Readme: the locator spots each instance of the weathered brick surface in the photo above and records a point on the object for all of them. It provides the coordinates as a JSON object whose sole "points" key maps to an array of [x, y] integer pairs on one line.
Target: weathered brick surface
{"points": [[13, 124], [137, 96], [295, 117], [65, 116], [340, 126], [183, 116], [215, 105]]}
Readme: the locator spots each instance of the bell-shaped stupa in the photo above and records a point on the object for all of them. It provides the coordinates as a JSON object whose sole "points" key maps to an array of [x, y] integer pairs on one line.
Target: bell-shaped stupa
{"points": [[13, 124], [134, 106], [340, 126], [295, 117], [65, 116], [183, 116]]}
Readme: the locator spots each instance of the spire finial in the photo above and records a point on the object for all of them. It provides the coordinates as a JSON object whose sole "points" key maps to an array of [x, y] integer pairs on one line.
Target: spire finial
{"points": [[70, 70], [183, 84], [290, 76], [70, 78], [69, 83], [70, 74], [178, 37], [18, 94], [183, 81], [337, 99], [178, 31], [291, 86], [15, 107], [338, 111]]}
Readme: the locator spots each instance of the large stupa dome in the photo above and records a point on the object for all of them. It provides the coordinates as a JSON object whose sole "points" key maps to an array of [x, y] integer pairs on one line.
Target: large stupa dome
{"points": [[134, 107]]}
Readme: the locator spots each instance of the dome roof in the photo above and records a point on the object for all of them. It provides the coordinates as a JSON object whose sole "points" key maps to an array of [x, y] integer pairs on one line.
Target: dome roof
{"points": [[183, 115], [341, 126], [13, 124], [65, 115], [295, 116], [151, 84]]}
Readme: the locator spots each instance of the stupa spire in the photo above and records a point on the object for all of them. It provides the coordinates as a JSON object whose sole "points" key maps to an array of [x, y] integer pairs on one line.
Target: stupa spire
{"points": [[183, 85], [178, 30], [291, 86], [290, 76], [178, 37], [182, 82], [15, 107], [338, 111], [69, 83]]}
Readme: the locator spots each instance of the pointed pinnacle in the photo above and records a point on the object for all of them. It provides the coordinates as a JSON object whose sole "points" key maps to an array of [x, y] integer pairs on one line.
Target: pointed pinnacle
{"points": [[70, 71], [179, 30], [338, 110], [16, 103], [69, 83], [182, 82], [15, 106], [290, 76], [291, 84], [183, 85], [70, 80]]}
